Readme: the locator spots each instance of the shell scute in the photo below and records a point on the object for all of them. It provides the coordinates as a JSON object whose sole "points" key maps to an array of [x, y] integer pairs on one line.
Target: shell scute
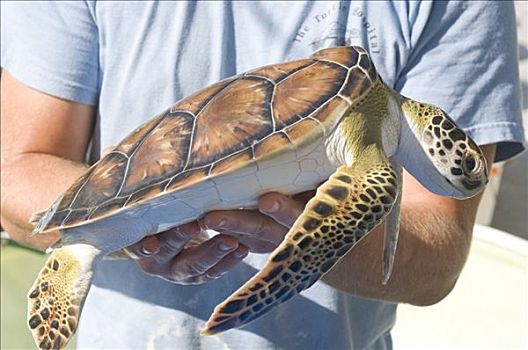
{"points": [[188, 178], [346, 56], [162, 154], [109, 206], [196, 102], [277, 72], [368, 66], [233, 120], [147, 192], [132, 141], [295, 99], [364, 62], [76, 216], [357, 84], [300, 130], [66, 200], [103, 183], [57, 219], [96, 186], [235, 161], [265, 147], [336, 105]]}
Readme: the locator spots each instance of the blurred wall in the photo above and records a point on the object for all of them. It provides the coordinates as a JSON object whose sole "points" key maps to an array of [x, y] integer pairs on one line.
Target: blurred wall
{"points": [[505, 204]]}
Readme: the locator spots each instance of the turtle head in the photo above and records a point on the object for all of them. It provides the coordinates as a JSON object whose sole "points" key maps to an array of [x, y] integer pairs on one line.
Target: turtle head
{"points": [[438, 153]]}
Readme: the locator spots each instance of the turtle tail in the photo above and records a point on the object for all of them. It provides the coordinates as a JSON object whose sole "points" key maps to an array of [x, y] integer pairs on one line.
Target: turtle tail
{"points": [[56, 298]]}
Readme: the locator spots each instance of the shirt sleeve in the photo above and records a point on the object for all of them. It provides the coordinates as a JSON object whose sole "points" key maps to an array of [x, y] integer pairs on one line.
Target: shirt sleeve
{"points": [[464, 59], [52, 46]]}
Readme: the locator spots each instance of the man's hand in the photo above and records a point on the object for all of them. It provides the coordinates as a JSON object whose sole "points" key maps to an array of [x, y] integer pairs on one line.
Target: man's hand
{"points": [[186, 255], [261, 230]]}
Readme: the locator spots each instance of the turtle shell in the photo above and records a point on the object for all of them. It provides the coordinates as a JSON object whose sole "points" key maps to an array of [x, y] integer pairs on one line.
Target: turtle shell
{"points": [[219, 129]]}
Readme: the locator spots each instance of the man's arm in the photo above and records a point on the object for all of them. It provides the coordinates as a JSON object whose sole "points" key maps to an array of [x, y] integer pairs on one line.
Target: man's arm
{"points": [[43, 144], [435, 235], [434, 241]]}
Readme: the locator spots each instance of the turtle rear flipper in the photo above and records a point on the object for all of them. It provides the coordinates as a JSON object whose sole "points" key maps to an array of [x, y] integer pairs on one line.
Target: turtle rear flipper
{"points": [[346, 207], [56, 298]]}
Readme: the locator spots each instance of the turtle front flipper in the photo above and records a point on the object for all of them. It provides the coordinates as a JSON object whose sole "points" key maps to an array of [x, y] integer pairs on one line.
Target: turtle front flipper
{"points": [[345, 208], [392, 227], [55, 300]]}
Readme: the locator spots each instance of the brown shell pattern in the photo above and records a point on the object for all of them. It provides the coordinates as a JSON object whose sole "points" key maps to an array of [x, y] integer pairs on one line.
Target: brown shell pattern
{"points": [[219, 129]]}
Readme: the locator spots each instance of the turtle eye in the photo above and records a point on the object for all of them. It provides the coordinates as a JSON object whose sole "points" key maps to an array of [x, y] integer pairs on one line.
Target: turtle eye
{"points": [[470, 163]]}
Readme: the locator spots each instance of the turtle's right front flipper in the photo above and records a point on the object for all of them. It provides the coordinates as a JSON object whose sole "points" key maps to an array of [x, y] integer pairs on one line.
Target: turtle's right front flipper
{"points": [[56, 298], [346, 207]]}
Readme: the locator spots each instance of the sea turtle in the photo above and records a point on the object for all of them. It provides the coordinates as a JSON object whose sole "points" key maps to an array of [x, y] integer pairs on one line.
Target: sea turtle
{"points": [[284, 127]]}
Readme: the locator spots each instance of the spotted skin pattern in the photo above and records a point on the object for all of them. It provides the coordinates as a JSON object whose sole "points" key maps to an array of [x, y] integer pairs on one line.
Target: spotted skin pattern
{"points": [[54, 303], [346, 207]]}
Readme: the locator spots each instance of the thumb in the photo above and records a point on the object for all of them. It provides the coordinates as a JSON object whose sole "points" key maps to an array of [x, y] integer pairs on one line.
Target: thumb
{"points": [[281, 208]]}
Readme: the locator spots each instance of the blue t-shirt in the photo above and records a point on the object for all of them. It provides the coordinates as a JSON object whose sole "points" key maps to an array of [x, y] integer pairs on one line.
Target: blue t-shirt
{"points": [[135, 59]]}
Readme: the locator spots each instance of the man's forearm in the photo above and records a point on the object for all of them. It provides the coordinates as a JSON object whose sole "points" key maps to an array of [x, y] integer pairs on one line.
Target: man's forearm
{"points": [[37, 130], [30, 183], [434, 241], [430, 255]]}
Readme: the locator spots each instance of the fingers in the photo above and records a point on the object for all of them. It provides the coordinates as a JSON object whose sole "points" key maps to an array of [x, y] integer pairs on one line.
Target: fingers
{"points": [[228, 262], [162, 247], [276, 214], [255, 245], [281, 208], [169, 245], [173, 241], [144, 248], [249, 223], [185, 255], [260, 230], [207, 261], [197, 260]]}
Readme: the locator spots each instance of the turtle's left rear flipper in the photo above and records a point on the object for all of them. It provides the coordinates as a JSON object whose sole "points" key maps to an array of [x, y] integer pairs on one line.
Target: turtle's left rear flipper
{"points": [[55, 300], [346, 207]]}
